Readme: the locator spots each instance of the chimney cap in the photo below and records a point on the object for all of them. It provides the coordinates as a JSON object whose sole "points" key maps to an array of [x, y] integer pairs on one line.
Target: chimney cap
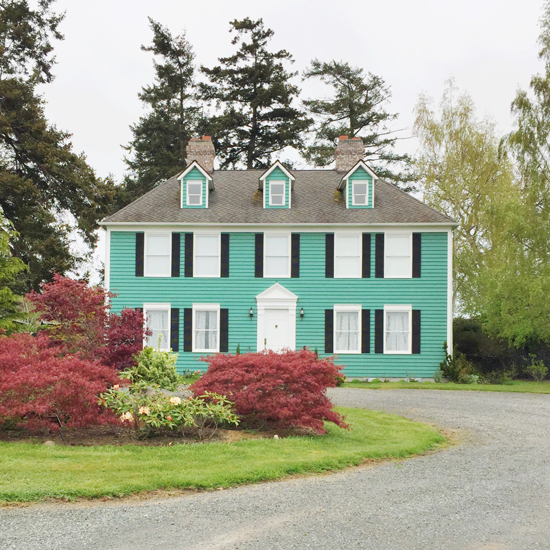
{"points": [[342, 137]]}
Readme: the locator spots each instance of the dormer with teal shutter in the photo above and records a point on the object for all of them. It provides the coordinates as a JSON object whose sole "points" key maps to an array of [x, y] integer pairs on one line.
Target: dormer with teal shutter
{"points": [[357, 186], [277, 184], [196, 183]]}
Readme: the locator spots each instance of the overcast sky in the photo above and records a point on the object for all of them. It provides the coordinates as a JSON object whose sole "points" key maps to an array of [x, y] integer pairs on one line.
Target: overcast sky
{"points": [[488, 46]]}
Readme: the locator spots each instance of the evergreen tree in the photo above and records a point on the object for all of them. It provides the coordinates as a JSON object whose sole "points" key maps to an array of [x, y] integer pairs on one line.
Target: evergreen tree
{"points": [[253, 90], [157, 150], [356, 109], [46, 190]]}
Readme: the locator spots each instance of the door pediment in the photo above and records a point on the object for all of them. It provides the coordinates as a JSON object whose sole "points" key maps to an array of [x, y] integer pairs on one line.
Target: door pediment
{"points": [[276, 292]]}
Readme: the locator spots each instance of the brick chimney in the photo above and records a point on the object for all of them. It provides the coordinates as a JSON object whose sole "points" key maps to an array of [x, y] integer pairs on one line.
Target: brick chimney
{"points": [[201, 150], [348, 153]]}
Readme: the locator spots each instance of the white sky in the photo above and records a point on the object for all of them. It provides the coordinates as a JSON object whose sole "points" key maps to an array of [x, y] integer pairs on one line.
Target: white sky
{"points": [[489, 46]]}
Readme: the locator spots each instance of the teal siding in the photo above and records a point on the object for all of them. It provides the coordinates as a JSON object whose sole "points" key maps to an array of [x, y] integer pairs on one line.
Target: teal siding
{"points": [[238, 294], [359, 175], [279, 175], [195, 174]]}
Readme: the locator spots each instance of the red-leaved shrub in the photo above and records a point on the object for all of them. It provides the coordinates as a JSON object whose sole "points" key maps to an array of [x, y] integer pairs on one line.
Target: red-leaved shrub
{"points": [[38, 384], [83, 323], [280, 390]]}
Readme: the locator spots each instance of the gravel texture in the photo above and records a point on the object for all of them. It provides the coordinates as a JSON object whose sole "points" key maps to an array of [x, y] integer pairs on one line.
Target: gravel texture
{"points": [[491, 491]]}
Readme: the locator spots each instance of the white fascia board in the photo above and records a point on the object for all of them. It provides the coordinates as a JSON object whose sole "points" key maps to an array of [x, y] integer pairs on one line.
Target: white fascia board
{"points": [[196, 165], [276, 164], [360, 164]]}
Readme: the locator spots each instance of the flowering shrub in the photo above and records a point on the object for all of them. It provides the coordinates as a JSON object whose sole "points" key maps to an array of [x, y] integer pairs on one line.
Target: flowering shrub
{"points": [[275, 389], [154, 368], [81, 321], [39, 387], [196, 416]]}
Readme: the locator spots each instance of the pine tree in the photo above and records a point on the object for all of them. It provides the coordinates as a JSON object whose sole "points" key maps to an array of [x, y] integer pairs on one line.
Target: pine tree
{"points": [[46, 190], [157, 150], [253, 90], [356, 109]]}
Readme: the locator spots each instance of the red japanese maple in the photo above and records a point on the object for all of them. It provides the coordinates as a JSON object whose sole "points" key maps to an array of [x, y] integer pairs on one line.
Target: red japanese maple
{"points": [[277, 389]]}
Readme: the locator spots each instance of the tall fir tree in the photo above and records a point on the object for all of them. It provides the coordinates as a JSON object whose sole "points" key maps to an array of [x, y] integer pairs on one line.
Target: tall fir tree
{"points": [[157, 150], [253, 90], [357, 108], [46, 190]]}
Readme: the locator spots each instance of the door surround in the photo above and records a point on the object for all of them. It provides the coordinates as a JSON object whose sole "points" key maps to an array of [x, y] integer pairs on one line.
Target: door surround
{"points": [[276, 297]]}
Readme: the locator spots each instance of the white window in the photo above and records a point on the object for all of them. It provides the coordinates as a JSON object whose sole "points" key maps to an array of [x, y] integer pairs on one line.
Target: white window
{"points": [[277, 255], [158, 256], [347, 329], [347, 256], [277, 193], [206, 327], [157, 320], [206, 252], [360, 193], [194, 192], [397, 329], [398, 262]]}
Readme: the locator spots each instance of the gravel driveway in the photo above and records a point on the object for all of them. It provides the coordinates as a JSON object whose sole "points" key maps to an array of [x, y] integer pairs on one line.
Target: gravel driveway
{"points": [[489, 492]]}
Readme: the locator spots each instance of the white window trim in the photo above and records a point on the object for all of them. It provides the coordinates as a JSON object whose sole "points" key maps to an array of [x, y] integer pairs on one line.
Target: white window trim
{"points": [[157, 307], [401, 309], [145, 255], [353, 203], [207, 234], [398, 234], [346, 308], [187, 182], [205, 307], [339, 235], [271, 195], [272, 234]]}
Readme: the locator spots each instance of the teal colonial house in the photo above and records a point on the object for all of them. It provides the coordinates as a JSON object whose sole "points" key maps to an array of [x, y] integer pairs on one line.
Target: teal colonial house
{"points": [[336, 260]]}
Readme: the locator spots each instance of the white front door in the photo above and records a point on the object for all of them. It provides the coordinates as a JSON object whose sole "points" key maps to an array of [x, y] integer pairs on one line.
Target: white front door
{"points": [[276, 327]]}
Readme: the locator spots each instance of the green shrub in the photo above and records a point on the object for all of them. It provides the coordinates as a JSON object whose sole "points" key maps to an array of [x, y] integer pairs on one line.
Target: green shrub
{"points": [[500, 377], [154, 368], [537, 369], [457, 368], [438, 376]]}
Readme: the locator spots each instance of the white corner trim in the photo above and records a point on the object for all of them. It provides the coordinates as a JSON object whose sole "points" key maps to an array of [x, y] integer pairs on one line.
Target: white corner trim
{"points": [[450, 305], [107, 264]]}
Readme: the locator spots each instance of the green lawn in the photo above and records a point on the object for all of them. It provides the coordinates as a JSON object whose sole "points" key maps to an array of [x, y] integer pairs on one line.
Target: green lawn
{"points": [[33, 472], [519, 386]]}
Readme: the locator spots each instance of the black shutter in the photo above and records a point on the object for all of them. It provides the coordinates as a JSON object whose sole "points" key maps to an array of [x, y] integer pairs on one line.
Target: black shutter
{"points": [[329, 255], [379, 331], [366, 255], [295, 256], [140, 252], [224, 330], [379, 256], [329, 331], [416, 331], [365, 329], [417, 254], [259, 255], [175, 329], [187, 329], [176, 248], [189, 254], [225, 255]]}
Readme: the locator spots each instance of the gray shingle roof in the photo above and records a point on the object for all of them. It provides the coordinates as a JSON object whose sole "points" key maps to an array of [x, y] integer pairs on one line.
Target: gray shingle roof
{"points": [[235, 201]]}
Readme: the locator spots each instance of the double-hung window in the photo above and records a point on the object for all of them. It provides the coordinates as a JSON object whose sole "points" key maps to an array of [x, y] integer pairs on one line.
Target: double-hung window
{"points": [[277, 255], [397, 329], [398, 256], [194, 192], [277, 193], [347, 329], [158, 257], [206, 251], [157, 320], [360, 195], [206, 327], [347, 256]]}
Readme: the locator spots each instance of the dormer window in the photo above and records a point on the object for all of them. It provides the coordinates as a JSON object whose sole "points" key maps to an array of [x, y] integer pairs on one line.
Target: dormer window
{"points": [[194, 192], [277, 193], [360, 193]]}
